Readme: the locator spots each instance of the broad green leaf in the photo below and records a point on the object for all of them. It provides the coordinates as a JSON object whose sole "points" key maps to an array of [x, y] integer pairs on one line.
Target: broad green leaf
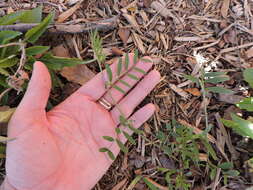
{"points": [[226, 165], [239, 125], [214, 74], [232, 173], [57, 63], [136, 56], [11, 18], [33, 35], [4, 72], [139, 70], [191, 78], [149, 184], [221, 90], [6, 115], [246, 103], [126, 61], [122, 146], [119, 67], [32, 16], [125, 83], [248, 76], [133, 76], [7, 35], [3, 82], [109, 72], [119, 89], [8, 62], [35, 50], [129, 137], [217, 79], [110, 139]]}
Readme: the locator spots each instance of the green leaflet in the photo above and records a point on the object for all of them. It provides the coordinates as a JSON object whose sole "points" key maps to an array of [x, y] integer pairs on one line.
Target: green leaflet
{"points": [[139, 70], [248, 76], [217, 79], [191, 78], [214, 74], [119, 67], [220, 90], [136, 56], [35, 50], [4, 72], [119, 89], [122, 146], [11, 18], [108, 138], [109, 153], [133, 76], [125, 83], [32, 16], [109, 72], [129, 138], [126, 61], [226, 165], [246, 103], [33, 34]]}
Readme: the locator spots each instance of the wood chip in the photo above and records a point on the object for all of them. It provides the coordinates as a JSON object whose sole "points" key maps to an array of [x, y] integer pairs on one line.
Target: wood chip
{"points": [[179, 91], [138, 42], [224, 8], [120, 185], [65, 15], [193, 91], [249, 53]]}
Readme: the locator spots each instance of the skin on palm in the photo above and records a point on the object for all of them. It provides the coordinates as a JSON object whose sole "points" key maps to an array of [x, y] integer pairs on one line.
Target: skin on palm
{"points": [[59, 149]]}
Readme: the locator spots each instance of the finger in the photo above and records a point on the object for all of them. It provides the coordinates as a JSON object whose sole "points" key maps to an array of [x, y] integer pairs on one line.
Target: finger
{"points": [[38, 90], [120, 88], [95, 88], [134, 98], [138, 118]]}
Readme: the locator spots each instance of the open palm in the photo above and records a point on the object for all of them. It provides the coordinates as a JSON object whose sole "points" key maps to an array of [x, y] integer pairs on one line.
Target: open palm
{"points": [[59, 149]]}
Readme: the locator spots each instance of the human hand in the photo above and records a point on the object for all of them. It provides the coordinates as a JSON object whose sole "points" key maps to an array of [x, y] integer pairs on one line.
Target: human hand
{"points": [[59, 149]]}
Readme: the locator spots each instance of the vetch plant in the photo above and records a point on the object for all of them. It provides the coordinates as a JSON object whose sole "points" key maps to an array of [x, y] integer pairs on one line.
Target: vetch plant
{"points": [[110, 78]]}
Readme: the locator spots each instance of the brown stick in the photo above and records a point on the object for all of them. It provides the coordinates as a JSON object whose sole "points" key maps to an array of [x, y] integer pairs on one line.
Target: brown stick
{"points": [[102, 25]]}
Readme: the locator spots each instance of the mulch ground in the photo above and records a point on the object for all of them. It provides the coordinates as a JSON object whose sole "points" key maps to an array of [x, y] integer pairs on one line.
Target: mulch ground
{"points": [[177, 35]]}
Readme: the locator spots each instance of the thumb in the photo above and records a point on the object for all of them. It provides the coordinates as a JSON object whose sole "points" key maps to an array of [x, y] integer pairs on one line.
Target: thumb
{"points": [[38, 90]]}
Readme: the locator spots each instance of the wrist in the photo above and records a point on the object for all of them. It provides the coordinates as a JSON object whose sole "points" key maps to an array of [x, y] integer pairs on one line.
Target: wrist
{"points": [[6, 185]]}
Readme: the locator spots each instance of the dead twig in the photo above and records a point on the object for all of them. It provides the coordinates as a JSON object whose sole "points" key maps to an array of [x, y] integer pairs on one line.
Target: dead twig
{"points": [[102, 25]]}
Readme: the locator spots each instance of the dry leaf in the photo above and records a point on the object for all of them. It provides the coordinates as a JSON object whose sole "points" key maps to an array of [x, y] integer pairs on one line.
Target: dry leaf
{"points": [[224, 8], [138, 42], [61, 51], [65, 15], [124, 34], [117, 51], [6, 113], [79, 74], [193, 91]]}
